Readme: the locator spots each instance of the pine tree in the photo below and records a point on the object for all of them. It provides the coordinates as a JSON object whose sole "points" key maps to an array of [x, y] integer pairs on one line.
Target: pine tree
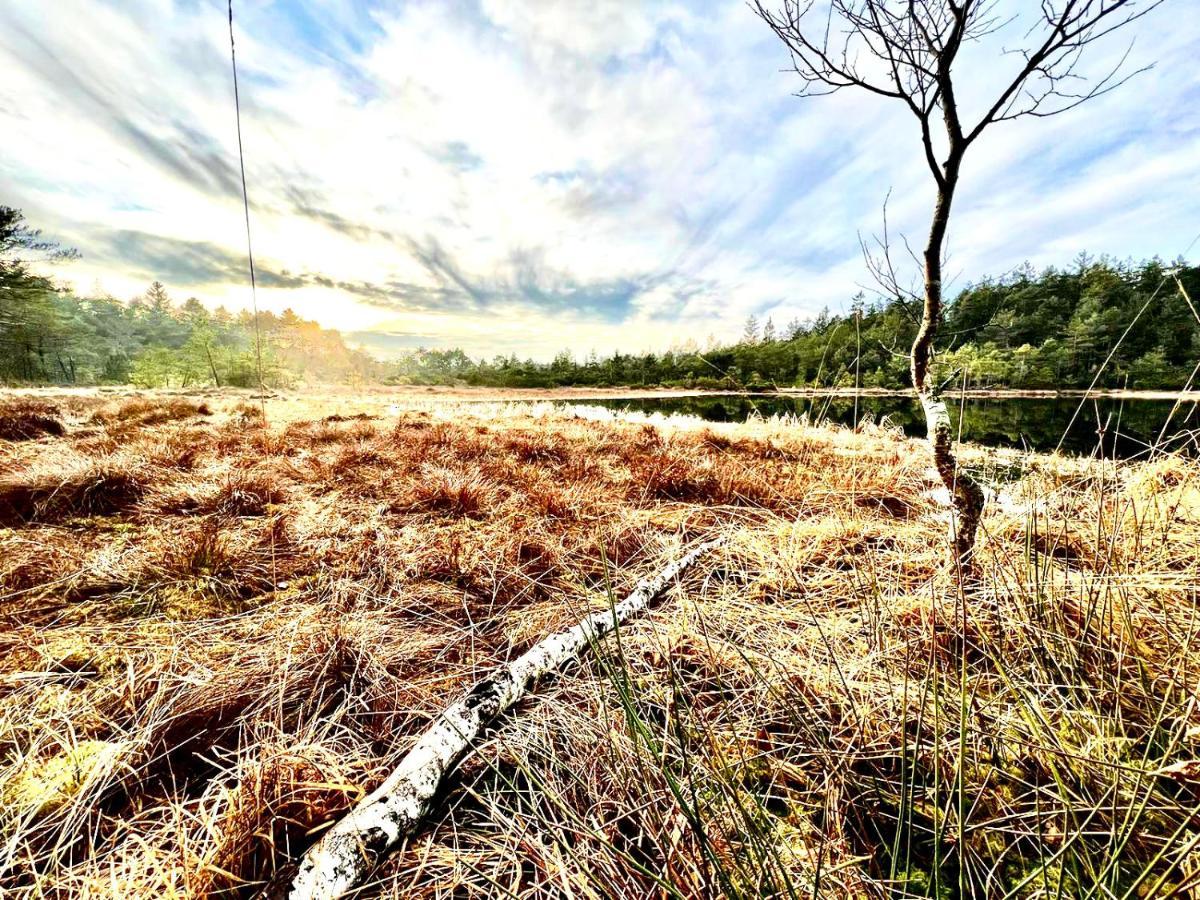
{"points": [[750, 331]]}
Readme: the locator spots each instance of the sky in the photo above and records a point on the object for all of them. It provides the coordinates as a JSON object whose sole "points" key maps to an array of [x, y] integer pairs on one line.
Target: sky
{"points": [[527, 176]]}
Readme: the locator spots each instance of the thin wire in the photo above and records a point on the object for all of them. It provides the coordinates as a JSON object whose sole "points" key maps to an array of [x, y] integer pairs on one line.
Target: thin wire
{"points": [[262, 388], [237, 105], [857, 362]]}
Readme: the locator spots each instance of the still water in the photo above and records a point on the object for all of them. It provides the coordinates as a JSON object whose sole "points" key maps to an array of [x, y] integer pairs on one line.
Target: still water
{"points": [[1130, 427]]}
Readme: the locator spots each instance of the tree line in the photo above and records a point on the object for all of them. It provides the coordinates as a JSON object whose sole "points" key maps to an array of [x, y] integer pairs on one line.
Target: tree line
{"points": [[48, 335], [1027, 329]]}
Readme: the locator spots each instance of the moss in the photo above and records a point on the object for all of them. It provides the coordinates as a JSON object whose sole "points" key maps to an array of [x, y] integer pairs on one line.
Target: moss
{"points": [[49, 784], [191, 599]]}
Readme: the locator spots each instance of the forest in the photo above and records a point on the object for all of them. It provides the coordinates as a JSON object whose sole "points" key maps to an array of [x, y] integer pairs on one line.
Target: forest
{"points": [[49, 335], [1027, 329]]}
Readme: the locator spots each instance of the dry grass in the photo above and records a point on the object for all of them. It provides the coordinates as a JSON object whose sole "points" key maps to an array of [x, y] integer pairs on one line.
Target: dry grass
{"points": [[143, 412], [25, 419], [220, 632]]}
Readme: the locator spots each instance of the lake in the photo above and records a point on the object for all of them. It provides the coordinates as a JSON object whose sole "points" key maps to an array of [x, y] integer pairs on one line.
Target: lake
{"points": [[1131, 426]]}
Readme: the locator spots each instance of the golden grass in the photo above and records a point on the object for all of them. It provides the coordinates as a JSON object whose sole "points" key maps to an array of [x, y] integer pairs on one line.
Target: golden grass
{"points": [[219, 633], [29, 418]]}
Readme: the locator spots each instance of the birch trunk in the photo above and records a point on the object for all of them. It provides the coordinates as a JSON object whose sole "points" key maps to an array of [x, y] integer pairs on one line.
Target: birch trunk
{"points": [[965, 492], [348, 852]]}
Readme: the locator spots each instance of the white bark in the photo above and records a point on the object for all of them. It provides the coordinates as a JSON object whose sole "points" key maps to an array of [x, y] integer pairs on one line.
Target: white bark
{"points": [[968, 497], [351, 849]]}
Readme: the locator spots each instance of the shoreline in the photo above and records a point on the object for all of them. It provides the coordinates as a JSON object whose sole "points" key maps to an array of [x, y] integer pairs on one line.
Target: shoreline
{"points": [[501, 395], [1002, 393]]}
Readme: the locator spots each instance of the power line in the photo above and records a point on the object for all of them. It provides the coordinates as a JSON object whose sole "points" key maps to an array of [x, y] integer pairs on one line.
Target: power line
{"points": [[237, 105], [262, 388]]}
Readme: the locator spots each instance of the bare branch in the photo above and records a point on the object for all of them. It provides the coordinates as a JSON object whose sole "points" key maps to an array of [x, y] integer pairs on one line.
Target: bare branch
{"points": [[915, 44], [879, 264], [1078, 24]]}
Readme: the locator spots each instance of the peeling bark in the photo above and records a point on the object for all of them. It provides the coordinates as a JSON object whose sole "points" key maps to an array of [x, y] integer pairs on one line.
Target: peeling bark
{"points": [[351, 849], [965, 492]]}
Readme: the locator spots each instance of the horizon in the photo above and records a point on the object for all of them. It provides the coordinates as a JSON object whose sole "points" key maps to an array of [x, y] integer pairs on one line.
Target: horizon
{"points": [[513, 181], [685, 346]]}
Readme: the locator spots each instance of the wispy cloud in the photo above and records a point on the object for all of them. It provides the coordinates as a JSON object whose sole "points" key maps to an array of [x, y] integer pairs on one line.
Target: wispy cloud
{"points": [[521, 176]]}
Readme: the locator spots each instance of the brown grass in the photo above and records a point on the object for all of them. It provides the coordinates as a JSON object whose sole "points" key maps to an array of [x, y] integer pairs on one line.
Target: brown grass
{"points": [[90, 488], [142, 412], [25, 419], [221, 631]]}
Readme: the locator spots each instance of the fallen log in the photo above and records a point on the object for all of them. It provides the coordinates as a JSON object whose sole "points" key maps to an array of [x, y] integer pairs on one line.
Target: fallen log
{"points": [[350, 850]]}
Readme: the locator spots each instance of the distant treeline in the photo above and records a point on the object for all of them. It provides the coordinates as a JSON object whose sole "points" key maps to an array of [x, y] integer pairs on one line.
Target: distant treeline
{"points": [[151, 342], [1028, 329], [52, 336]]}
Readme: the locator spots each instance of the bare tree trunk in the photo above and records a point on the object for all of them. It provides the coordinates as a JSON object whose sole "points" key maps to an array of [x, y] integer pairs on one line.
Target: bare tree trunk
{"points": [[211, 365], [965, 492], [352, 848]]}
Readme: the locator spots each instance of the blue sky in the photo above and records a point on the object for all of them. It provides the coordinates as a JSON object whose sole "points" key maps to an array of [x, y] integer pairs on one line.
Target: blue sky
{"points": [[529, 176]]}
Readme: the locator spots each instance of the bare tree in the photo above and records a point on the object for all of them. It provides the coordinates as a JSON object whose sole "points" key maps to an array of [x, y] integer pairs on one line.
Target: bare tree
{"points": [[906, 50]]}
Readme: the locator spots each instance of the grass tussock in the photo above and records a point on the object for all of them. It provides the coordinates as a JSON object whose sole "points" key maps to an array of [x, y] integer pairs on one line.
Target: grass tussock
{"points": [[449, 492], [144, 412], [92, 488], [218, 637], [26, 419]]}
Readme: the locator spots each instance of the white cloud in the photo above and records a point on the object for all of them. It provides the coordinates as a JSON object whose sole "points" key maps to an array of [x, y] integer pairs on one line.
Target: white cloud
{"points": [[523, 176]]}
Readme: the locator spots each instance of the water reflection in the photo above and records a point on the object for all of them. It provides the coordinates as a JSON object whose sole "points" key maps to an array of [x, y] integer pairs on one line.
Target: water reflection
{"points": [[1129, 427]]}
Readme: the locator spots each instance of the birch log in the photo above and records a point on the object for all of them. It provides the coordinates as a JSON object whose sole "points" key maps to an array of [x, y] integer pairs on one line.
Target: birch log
{"points": [[351, 849]]}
